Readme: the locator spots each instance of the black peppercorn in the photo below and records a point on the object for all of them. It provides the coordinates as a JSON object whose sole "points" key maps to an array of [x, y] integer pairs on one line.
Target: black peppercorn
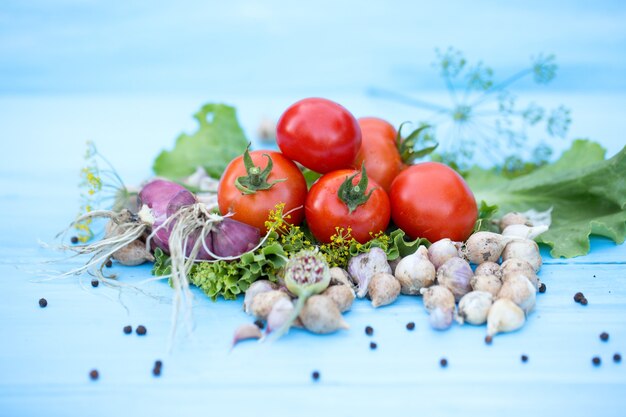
{"points": [[583, 301], [94, 374], [410, 326], [141, 330], [488, 340], [259, 324], [315, 375], [524, 358], [128, 329], [74, 240], [542, 288], [443, 362], [156, 371], [158, 363], [596, 360], [43, 302], [108, 264], [617, 358], [373, 345], [578, 297], [604, 336], [369, 330], [95, 283]]}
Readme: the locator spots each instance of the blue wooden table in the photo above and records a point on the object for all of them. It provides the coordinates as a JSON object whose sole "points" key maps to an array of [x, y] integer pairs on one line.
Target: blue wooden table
{"points": [[46, 354]]}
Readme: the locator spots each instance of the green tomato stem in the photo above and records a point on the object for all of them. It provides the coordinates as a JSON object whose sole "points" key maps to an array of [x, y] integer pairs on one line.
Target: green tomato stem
{"points": [[256, 179], [354, 195]]}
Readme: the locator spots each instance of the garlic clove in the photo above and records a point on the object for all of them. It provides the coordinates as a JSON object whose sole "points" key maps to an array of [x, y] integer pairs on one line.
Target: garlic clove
{"points": [[513, 218], [442, 250], [519, 289], [321, 315], [485, 247], [487, 283], [133, 254], [363, 267], [245, 332], [524, 232], [455, 274], [339, 276], [524, 249], [281, 311], [514, 265], [383, 289], [262, 303], [414, 272], [437, 296], [441, 319], [342, 295], [504, 316], [255, 288], [487, 268], [474, 307]]}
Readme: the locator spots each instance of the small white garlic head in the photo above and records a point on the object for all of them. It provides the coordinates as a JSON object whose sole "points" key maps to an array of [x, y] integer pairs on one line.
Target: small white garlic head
{"points": [[437, 296], [513, 218], [504, 316], [513, 266], [487, 268], [455, 275], [414, 272], [484, 247], [518, 289], [488, 283], [524, 249], [474, 307], [383, 289], [442, 250]]}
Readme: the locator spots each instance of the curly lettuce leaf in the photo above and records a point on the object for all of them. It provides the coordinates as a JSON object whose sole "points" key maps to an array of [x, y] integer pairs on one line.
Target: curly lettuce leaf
{"points": [[218, 140], [586, 191]]}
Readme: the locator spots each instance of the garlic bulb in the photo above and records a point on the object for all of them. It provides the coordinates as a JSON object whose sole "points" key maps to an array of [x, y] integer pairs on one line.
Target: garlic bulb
{"points": [[383, 289], [321, 315], [338, 276], [518, 289], [474, 307], [255, 288], [524, 249], [487, 283], [442, 250], [441, 319], [524, 232], [414, 272], [262, 303], [438, 296], [281, 311], [513, 218], [513, 266], [484, 247], [487, 268], [455, 274], [504, 316], [363, 267], [342, 295]]}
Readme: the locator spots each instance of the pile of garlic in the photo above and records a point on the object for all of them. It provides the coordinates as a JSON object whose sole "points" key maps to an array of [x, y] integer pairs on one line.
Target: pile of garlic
{"points": [[501, 295]]}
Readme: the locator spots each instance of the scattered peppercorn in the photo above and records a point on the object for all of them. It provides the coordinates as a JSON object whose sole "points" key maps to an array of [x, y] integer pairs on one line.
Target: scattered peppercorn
{"points": [[604, 336], [43, 302], [94, 374], [617, 358], [578, 297], [410, 326], [315, 375], [109, 263], [369, 330], [524, 358], [156, 371], [158, 363], [74, 240], [443, 362], [259, 324], [596, 360], [583, 301], [373, 345], [488, 340], [128, 329], [542, 288], [141, 330], [95, 283]]}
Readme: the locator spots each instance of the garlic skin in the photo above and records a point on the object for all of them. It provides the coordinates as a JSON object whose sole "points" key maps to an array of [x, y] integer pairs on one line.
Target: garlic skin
{"points": [[133, 254], [442, 250], [487, 268], [455, 274], [280, 314], [437, 296], [363, 267], [524, 249], [513, 266], [486, 283], [245, 332], [339, 276], [414, 272], [524, 232], [504, 316], [518, 289], [321, 315], [513, 218], [255, 288], [484, 247], [383, 289], [342, 295], [474, 307], [262, 303], [441, 319]]}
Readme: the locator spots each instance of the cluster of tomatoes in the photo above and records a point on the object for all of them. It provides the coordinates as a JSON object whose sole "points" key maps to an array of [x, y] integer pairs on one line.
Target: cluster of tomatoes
{"points": [[364, 183]]}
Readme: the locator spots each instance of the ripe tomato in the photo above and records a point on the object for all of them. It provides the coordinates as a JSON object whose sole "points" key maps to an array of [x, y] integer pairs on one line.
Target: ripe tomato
{"points": [[325, 210], [379, 151], [320, 134], [254, 208], [433, 201]]}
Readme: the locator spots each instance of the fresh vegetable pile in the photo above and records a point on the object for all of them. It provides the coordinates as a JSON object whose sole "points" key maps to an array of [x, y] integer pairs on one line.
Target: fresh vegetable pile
{"points": [[343, 211]]}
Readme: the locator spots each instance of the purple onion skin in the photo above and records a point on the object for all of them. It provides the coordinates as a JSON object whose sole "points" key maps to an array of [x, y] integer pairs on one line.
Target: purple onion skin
{"points": [[157, 195], [232, 238]]}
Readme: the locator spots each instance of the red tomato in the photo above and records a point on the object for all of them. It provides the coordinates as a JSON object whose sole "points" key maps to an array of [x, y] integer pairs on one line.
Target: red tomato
{"points": [[320, 134], [325, 211], [379, 151], [253, 209], [433, 201]]}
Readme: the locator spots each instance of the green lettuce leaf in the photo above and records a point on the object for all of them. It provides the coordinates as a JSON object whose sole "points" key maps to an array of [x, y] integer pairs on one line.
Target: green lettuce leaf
{"points": [[217, 141], [586, 192]]}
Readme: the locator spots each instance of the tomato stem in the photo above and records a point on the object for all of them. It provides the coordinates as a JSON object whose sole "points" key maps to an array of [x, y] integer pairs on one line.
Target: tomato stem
{"points": [[407, 146], [256, 179], [354, 195]]}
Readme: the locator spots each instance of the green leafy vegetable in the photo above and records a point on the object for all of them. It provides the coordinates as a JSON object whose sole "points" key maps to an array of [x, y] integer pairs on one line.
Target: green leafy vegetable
{"points": [[485, 218], [218, 140], [586, 191]]}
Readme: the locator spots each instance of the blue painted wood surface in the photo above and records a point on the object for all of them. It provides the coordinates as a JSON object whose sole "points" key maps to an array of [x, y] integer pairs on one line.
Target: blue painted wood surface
{"points": [[46, 354]]}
